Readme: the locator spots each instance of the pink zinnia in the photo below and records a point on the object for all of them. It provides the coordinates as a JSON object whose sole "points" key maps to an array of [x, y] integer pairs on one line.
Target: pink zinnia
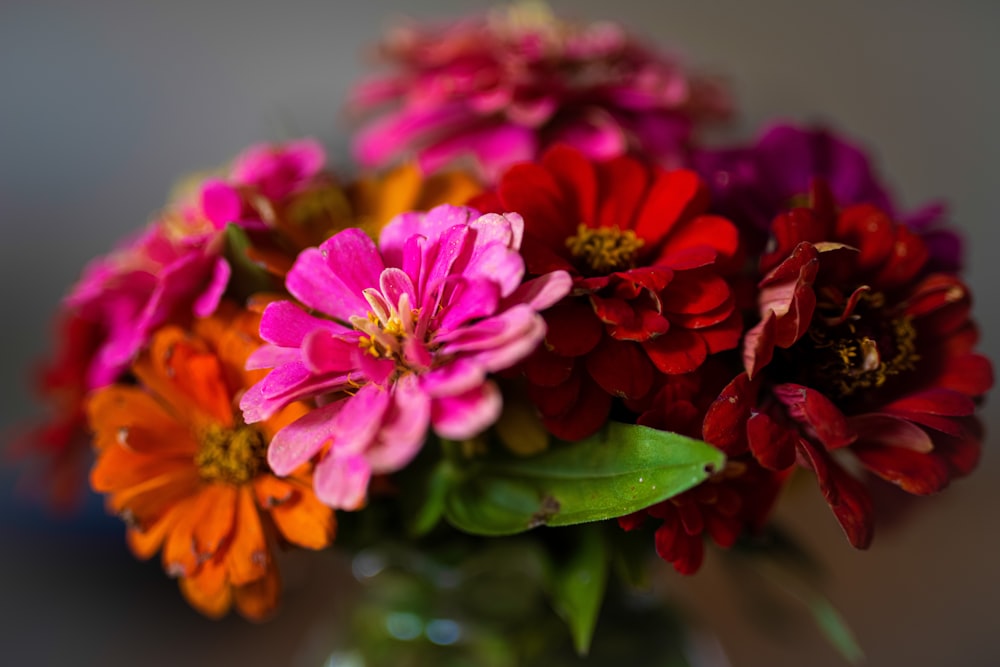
{"points": [[503, 87], [413, 328], [176, 268]]}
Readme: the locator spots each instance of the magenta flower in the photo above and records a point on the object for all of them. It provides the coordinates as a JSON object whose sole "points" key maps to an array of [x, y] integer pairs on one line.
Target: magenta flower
{"points": [[413, 329], [503, 87], [175, 269], [752, 185]]}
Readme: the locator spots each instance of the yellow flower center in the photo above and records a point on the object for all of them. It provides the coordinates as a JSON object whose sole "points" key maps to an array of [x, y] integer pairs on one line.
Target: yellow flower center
{"points": [[604, 249], [234, 456]]}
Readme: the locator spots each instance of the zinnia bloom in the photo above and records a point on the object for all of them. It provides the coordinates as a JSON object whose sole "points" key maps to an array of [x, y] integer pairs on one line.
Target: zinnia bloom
{"points": [[751, 185], [190, 478], [860, 348], [414, 326], [648, 292], [502, 88]]}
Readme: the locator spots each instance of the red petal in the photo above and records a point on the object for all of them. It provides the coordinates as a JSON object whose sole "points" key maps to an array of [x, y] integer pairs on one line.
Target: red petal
{"points": [[772, 445], [585, 418], [559, 399], [846, 496], [909, 254], [812, 408], [724, 335], [971, 374], [622, 369], [914, 472], [758, 344], [677, 351], [868, 229], [888, 431], [937, 401], [725, 420], [709, 231], [545, 369], [573, 328], [575, 176], [531, 190], [623, 183], [674, 196], [694, 292]]}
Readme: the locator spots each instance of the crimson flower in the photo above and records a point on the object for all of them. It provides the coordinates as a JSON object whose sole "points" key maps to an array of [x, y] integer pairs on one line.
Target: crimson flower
{"points": [[648, 297], [860, 348]]}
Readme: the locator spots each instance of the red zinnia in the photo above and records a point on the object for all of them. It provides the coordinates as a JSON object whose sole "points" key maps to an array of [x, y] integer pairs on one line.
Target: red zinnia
{"points": [[860, 347], [648, 296]]}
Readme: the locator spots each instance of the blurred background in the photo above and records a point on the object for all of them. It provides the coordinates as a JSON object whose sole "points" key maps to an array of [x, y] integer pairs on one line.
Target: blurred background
{"points": [[105, 103]]}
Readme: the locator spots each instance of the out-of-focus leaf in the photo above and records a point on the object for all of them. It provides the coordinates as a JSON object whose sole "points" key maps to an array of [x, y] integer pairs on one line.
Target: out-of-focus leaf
{"points": [[578, 586], [248, 277]]}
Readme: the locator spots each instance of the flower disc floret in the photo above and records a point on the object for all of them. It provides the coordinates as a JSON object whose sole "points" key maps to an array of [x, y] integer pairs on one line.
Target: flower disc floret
{"points": [[412, 329]]}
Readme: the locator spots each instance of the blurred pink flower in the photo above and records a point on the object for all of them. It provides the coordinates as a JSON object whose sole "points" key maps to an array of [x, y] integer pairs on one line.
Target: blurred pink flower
{"points": [[413, 328], [503, 87]]}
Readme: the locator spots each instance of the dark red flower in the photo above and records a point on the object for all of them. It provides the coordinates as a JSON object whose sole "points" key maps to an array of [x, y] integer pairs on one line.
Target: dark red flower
{"points": [[649, 296], [58, 447], [736, 500], [860, 348]]}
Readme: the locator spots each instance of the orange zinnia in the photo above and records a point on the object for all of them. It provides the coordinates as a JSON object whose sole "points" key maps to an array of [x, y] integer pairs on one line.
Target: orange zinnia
{"points": [[186, 473]]}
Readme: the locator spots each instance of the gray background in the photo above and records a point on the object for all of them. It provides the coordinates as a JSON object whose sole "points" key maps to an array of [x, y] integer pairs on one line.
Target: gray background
{"points": [[104, 103]]}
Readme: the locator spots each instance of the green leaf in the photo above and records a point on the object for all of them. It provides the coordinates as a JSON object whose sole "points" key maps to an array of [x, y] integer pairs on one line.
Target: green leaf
{"points": [[247, 278], [578, 587], [431, 499], [789, 567], [620, 470]]}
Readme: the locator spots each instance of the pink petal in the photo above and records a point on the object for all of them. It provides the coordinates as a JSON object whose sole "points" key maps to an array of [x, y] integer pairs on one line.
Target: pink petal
{"points": [[331, 279], [342, 481], [404, 428], [457, 377], [326, 352], [542, 292], [467, 415], [359, 421], [302, 439], [208, 300], [467, 300], [220, 203], [285, 324]]}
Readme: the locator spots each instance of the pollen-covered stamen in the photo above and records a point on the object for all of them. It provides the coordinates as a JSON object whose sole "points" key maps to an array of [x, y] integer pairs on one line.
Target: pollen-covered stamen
{"points": [[232, 455], [604, 249], [865, 347], [387, 328]]}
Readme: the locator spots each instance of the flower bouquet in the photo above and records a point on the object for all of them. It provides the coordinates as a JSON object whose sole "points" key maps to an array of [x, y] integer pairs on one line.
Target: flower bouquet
{"points": [[545, 334]]}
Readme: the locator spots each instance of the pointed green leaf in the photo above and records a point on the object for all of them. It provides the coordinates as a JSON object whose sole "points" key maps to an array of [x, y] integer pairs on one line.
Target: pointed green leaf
{"points": [[578, 587], [247, 278], [620, 470]]}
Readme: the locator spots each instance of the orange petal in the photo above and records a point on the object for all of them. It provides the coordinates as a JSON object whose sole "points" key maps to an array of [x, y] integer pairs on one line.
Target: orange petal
{"points": [[216, 524], [247, 556], [259, 600], [131, 417], [305, 521], [453, 187], [117, 468], [181, 370], [208, 591], [179, 556], [146, 542], [146, 502], [271, 491]]}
